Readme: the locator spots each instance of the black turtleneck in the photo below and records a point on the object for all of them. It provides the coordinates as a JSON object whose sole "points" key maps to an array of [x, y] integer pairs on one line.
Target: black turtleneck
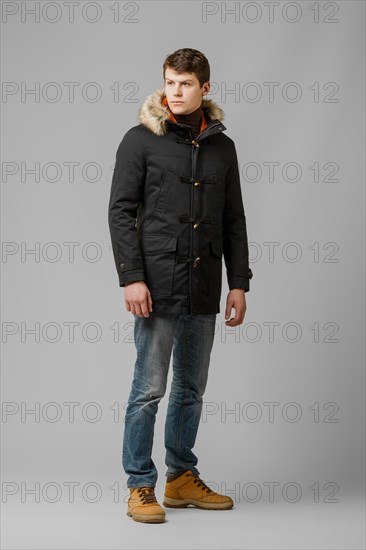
{"points": [[192, 119]]}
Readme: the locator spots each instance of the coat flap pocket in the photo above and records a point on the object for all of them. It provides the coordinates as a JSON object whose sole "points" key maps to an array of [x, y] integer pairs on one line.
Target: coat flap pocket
{"points": [[158, 243], [216, 247]]}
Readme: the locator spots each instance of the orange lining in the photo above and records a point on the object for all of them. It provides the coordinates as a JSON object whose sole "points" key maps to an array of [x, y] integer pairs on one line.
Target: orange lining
{"points": [[172, 117]]}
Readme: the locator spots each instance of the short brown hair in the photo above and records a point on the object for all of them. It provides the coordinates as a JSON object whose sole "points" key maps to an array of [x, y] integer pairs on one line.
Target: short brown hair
{"points": [[188, 60]]}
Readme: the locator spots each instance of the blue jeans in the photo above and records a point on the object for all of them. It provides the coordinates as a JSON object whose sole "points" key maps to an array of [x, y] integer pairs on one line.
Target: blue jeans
{"points": [[191, 338]]}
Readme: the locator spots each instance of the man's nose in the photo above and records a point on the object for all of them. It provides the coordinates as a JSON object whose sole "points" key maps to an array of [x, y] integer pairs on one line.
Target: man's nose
{"points": [[177, 91]]}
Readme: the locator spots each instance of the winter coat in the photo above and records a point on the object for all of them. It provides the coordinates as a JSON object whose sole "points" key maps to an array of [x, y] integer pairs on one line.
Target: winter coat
{"points": [[176, 207]]}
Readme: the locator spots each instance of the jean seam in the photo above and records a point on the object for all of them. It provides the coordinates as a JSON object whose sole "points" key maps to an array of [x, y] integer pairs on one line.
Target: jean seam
{"points": [[183, 407]]}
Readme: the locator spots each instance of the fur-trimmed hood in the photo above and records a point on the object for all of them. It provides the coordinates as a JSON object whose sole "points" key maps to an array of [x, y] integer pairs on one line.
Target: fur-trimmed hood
{"points": [[153, 113]]}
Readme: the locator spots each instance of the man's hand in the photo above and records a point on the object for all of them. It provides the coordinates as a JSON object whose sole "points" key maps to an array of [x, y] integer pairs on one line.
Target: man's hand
{"points": [[138, 298], [235, 299]]}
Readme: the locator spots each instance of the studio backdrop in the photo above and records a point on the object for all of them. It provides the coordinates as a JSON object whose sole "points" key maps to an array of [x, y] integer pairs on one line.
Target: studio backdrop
{"points": [[282, 426]]}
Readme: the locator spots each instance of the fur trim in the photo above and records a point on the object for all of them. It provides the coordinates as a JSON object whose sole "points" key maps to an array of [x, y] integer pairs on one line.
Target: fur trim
{"points": [[153, 114]]}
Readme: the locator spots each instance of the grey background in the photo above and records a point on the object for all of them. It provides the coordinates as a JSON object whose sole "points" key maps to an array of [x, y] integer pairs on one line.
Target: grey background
{"points": [[236, 455]]}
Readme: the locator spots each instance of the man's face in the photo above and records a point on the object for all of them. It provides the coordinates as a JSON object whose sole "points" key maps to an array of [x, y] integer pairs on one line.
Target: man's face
{"points": [[183, 91]]}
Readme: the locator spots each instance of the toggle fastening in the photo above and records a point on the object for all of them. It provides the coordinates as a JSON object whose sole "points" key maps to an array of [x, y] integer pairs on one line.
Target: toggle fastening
{"points": [[188, 219]]}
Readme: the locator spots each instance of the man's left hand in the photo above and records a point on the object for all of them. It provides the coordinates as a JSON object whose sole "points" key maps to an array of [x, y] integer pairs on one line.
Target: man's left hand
{"points": [[235, 299]]}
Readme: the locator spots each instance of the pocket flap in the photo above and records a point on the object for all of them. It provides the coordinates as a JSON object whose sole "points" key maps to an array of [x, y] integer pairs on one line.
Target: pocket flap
{"points": [[158, 243], [216, 247]]}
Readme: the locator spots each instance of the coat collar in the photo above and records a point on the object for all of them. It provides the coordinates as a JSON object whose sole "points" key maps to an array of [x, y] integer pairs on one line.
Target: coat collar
{"points": [[154, 112]]}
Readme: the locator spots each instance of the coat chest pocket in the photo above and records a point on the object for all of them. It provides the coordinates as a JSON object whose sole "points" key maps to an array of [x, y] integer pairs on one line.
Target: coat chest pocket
{"points": [[214, 172], [158, 252], [165, 183]]}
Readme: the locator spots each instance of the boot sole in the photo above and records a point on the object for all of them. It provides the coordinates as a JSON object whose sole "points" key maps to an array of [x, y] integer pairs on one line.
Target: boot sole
{"points": [[147, 519], [183, 503]]}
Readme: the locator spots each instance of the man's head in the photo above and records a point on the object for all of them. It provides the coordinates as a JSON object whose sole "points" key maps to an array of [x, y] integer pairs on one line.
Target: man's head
{"points": [[186, 74]]}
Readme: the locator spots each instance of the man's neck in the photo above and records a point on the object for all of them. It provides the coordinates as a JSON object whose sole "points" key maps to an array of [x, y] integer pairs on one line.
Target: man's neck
{"points": [[192, 119]]}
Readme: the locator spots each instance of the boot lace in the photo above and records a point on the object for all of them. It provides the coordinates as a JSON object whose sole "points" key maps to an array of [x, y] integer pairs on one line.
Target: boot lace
{"points": [[147, 495], [201, 483]]}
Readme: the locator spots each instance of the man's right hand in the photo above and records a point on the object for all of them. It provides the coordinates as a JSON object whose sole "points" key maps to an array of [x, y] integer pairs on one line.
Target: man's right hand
{"points": [[138, 298]]}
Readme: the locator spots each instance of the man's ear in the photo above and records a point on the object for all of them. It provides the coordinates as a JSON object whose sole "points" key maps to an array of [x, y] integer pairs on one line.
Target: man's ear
{"points": [[206, 88]]}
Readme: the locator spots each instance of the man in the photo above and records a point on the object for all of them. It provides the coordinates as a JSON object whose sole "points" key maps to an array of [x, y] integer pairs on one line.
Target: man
{"points": [[175, 208]]}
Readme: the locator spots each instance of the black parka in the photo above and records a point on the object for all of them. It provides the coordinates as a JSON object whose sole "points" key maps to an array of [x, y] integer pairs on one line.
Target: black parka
{"points": [[176, 207]]}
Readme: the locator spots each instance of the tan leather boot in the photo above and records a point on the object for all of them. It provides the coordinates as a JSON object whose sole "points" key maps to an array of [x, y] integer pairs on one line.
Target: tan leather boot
{"points": [[190, 489], [143, 506]]}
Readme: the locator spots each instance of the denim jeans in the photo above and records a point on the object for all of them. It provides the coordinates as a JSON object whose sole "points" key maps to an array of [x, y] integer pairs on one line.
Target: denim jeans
{"points": [[191, 338]]}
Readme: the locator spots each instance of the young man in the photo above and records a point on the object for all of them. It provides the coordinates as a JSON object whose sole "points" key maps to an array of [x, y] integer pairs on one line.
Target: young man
{"points": [[175, 207]]}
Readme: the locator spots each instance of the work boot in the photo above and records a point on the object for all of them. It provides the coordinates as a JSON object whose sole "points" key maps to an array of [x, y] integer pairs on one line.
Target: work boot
{"points": [[143, 506], [187, 488]]}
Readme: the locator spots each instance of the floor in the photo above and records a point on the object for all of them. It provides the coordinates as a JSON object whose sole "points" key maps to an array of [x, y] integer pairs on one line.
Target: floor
{"points": [[104, 525]]}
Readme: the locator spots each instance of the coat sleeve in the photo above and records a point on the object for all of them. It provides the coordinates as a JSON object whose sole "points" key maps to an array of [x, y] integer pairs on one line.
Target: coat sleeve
{"points": [[125, 198], [235, 240]]}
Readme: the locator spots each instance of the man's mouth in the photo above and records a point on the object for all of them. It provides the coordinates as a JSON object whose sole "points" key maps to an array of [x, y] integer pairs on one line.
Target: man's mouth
{"points": [[177, 102]]}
